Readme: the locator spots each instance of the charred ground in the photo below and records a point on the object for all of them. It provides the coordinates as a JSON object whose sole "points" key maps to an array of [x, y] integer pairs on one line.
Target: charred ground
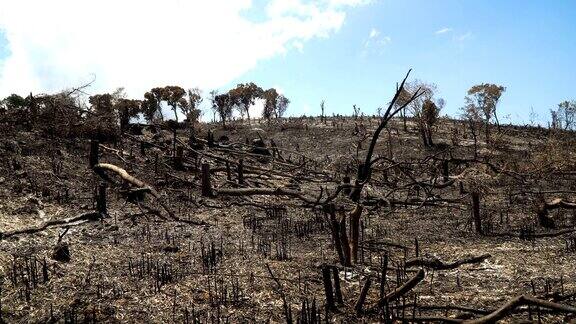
{"points": [[255, 237]]}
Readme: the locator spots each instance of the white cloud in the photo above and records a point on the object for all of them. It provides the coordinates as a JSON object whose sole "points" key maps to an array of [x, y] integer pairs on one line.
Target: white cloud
{"points": [[464, 37], [299, 46], [375, 42], [146, 43], [443, 31]]}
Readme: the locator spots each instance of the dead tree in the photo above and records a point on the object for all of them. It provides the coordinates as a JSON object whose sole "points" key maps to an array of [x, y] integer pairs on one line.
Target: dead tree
{"points": [[509, 306], [348, 246], [94, 146], [362, 298], [328, 290], [102, 167], [476, 212], [206, 186], [365, 170], [402, 290]]}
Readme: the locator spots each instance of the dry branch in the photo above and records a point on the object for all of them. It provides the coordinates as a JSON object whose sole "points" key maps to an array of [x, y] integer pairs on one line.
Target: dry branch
{"points": [[265, 192], [437, 264], [508, 307], [143, 186], [402, 290], [85, 217]]}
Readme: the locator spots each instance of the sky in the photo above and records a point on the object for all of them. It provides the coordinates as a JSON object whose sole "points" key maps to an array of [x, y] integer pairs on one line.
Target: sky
{"points": [[342, 51]]}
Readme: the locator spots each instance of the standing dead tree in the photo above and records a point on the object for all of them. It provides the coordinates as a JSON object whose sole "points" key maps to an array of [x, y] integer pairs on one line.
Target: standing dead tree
{"points": [[364, 170], [350, 244]]}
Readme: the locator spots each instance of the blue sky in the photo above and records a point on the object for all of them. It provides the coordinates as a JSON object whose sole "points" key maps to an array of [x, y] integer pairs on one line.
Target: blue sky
{"points": [[343, 51], [529, 47]]}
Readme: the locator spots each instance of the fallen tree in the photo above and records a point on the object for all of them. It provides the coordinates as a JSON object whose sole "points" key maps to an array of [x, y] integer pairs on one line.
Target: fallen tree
{"points": [[402, 290], [437, 264], [522, 300], [75, 220], [143, 187]]}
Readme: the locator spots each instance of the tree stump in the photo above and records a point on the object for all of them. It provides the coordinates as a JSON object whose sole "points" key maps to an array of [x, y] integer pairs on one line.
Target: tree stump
{"points": [[206, 186], [94, 147]]}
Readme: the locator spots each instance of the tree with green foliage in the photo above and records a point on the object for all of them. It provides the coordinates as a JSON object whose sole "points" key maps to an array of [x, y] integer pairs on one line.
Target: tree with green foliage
{"points": [[270, 100], [126, 110], [275, 104], [151, 108], [244, 96], [223, 105], [425, 109], [281, 106], [484, 98], [567, 114]]}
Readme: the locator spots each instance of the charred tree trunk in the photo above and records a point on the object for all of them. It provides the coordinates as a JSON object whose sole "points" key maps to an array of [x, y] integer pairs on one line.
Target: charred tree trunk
{"points": [[328, 291], [178, 158], [241, 171], [206, 186], [101, 200], [355, 232], [346, 181], [362, 298], [446, 170], [94, 148], [344, 241], [335, 229], [228, 171], [337, 289], [476, 212]]}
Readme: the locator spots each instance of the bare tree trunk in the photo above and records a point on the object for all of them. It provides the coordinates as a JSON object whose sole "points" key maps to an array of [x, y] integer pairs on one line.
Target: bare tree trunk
{"points": [[328, 291], [206, 186], [355, 231], [344, 241], [476, 212], [429, 136], [362, 298], [403, 114], [94, 148], [335, 226]]}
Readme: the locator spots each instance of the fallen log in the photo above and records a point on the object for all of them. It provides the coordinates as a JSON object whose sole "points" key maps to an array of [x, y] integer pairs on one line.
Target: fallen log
{"points": [[437, 264], [99, 168], [515, 302], [431, 319], [85, 217], [402, 290], [134, 181], [264, 192]]}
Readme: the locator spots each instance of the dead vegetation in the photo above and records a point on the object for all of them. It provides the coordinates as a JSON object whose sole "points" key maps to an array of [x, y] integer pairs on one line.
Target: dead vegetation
{"points": [[304, 220]]}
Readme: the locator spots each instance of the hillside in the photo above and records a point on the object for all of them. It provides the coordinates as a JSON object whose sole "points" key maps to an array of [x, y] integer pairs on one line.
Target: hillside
{"points": [[445, 233]]}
